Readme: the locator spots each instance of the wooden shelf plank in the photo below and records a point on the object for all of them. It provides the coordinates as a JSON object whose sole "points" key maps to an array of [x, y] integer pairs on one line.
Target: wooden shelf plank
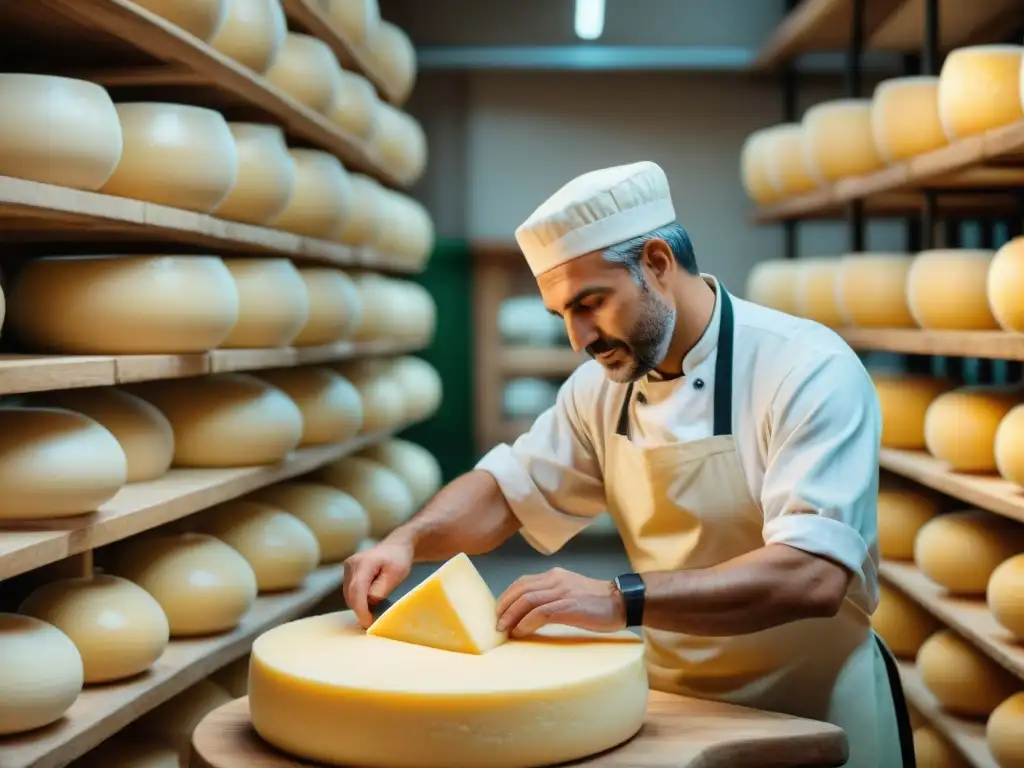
{"points": [[102, 711], [985, 491], [997, 345], [540, 361]]}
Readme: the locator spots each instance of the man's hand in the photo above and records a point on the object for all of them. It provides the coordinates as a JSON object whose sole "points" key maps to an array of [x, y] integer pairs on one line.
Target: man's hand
{"points": [[370, 576], [560, 597]]}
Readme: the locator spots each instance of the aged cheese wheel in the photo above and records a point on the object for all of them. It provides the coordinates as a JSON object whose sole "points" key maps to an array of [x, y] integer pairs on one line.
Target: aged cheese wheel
{"points": [[307, 70], [339, 521], [839, 139], [902, 623], [963, 679], [406, 232], [754, 167], [322, 196], [234, 678], [332, 411], [266, 174], [226, 420], [979, 89], [203, 18], [363, 220], [948, 290], [411, 462], [905, 117], [58, 130], [933, 750], [960, 550], [398, 141], [253, 33], [382, 394], [281, 549], [42, 673], [382, 493], [1005, 594], [527, 397], [1009, 447], [1005, 732], [273, 303], [525, 320], [1006, 286], [904, 402], [203, 585], [122, 751], [786, 163], [772, 283], [353, 18], [354, 107], [901, 514], [421, 386], [176, 155], [120, 630], [55, 463], [960, 426], [873, 290], [817, 291], [144, 434], [174, 721], [334, 307], [392, 54], [324, 690], [123, 305], [395, 310]]}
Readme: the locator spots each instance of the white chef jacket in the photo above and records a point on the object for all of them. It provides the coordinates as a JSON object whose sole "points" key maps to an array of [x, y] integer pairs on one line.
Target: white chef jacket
{"points": [[807, 429]]}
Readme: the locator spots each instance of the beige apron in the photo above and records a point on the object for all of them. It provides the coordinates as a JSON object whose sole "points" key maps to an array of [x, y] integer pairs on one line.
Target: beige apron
{"points": [[686, 505]]}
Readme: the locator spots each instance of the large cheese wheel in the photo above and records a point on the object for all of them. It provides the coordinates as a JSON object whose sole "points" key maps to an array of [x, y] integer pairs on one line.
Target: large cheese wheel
{"points": [[123, 305], [122, 751], [58, 131], [1005, 732], [873, 290], [55, 463], [42, 673], [339, 521], [120, 629], [393, 57], [772, 283], [174, 154], [960, 550], [817, 291], [335, 308], [324, 690], [382, 395], [754, 168], [963, 679], [307, 70], [273, 303], [411, 462], [174, 721], [354, 106], [266, 174], [406, 232], [904, 402], [1009, 446], [253, 33], [382, 493], [144, 434], [421, 386], [905, 117], [203, 18], [203, 585], [933, 750], [948, 290], [526, 320], [226, 420], [233, 678], [353, 18], [979, 89], [361, 224], [281, 549], [901, 514], [332, 411], [1006, 285], [527, 397], [377, 296], [1005, 594], [322, 196], [960, 426], [839, 139], [398, 141], [786, 163], [902, 623]]}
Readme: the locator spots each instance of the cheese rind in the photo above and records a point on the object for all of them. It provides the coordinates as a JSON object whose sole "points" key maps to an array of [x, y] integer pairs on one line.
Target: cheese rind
{"points": [[1006, 285], [321, 197], [772, 283], [306, 69], [948, 290], [203, 18], [785, 161], [904, 401], [754, 168], [273, 303], [332, 411], [979, 89], [817, 291], [1005, 594], [960, 426], [873, 290], [1009, 446], [934, 750], [381, 393], [420, 384], [382, 493], [355, 18], [901, 515], [334, 307], [413, 463], [905, 117], [960, 550], [1004, 732], [253, 33], [266, 175], [902, 623], [839, 141], [963, 679]]}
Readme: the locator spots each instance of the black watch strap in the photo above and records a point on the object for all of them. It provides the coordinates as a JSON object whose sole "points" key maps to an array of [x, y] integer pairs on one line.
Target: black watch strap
{"points": [[634, 594]]}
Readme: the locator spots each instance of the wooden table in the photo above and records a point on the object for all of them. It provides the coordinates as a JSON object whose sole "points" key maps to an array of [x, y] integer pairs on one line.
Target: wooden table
{"points": [[678, 733]]}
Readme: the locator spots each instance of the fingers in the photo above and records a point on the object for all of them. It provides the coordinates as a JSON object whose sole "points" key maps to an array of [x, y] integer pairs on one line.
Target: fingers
{"points": [[359, 574], [521, 586], [558, 611], [387, 578], [527, 603]]}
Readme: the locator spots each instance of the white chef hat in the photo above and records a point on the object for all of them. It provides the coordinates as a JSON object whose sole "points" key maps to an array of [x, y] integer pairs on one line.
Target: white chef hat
{"points": [[595, 211]]}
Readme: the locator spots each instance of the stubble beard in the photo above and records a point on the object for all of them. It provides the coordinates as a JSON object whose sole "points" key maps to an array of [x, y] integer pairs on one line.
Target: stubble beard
{"points": [[648, 343]]}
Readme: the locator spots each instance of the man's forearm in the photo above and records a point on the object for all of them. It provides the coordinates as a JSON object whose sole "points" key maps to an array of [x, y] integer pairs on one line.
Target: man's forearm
{"points": [[468, 515]]}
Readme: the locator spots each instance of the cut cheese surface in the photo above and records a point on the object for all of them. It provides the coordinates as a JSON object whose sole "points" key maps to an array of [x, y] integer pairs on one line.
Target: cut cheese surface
{"points": [[452, 609]]}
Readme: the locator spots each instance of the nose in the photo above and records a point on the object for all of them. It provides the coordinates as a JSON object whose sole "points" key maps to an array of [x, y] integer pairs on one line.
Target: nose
{"points": [[582, 332]]}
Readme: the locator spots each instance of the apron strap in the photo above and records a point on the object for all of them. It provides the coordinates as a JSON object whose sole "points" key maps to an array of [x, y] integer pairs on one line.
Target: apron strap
{"points": [[622, 429], [900, 705]]}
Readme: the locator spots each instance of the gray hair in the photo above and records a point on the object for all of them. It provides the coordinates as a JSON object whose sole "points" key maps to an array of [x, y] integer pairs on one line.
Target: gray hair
{"points": [[629, 253]]}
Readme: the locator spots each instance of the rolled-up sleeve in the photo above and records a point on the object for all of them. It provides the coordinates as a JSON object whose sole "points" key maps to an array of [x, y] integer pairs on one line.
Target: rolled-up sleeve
{"points": [[550, 476], [820, 490]]}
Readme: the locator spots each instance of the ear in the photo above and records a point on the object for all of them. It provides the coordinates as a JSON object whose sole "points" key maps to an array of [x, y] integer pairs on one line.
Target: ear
{"points": [[658, 259]]}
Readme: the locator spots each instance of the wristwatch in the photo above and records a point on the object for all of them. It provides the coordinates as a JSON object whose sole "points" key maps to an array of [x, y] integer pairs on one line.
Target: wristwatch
{"points": [[634, 594]]}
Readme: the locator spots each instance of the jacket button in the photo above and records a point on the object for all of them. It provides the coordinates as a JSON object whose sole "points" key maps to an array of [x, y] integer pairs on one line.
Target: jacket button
{"points": [[698, 384], [641, 398]]}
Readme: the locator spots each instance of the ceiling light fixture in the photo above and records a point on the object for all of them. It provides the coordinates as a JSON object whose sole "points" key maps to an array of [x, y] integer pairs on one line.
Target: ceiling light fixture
{"points": [[589, 19]]}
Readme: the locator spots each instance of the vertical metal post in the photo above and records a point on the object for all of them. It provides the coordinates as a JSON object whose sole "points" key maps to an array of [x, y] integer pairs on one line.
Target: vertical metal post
{"points": [[855, 210], [930, 50], [928, 217], [790, 112]]}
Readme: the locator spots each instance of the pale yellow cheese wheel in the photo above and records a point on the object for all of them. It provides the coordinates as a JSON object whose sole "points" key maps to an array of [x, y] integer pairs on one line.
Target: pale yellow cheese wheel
{"points": [[1009, 446], [392, 55], [55, 463], [904, 401], [421, 386], [979, 89], [336, 518], [398, 141], [382, 395], [202, 18], [901, 514], [411, 462], [273, 303], [772, 283], [873, 290], [353, 18], [378, 300], [253, 33], [901, 623], [122, 751], [754, 167], [382, 493], [354, 106], [307, 70], [406, 231], [123, 305], [817, 291], [839, 140], [174, 154], [281, 549], [203, 585], [322, 196], [335, 307], [58, 130], [226, 420], [42, 676], [933, 750], [1005, 732], [266, 175], [963, 679], [1006, 286], [1005, 594], [905, 117], [174, 721], [960, 550], [960, 426], [363, 221], [143, 432], [120, 630], [332, 411], [786, 163], [395, 310], [233, 678], [948, 290]]}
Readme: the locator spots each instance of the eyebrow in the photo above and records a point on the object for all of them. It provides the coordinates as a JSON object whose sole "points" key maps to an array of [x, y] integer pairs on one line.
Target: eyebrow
{"points": [[585, 293]]}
